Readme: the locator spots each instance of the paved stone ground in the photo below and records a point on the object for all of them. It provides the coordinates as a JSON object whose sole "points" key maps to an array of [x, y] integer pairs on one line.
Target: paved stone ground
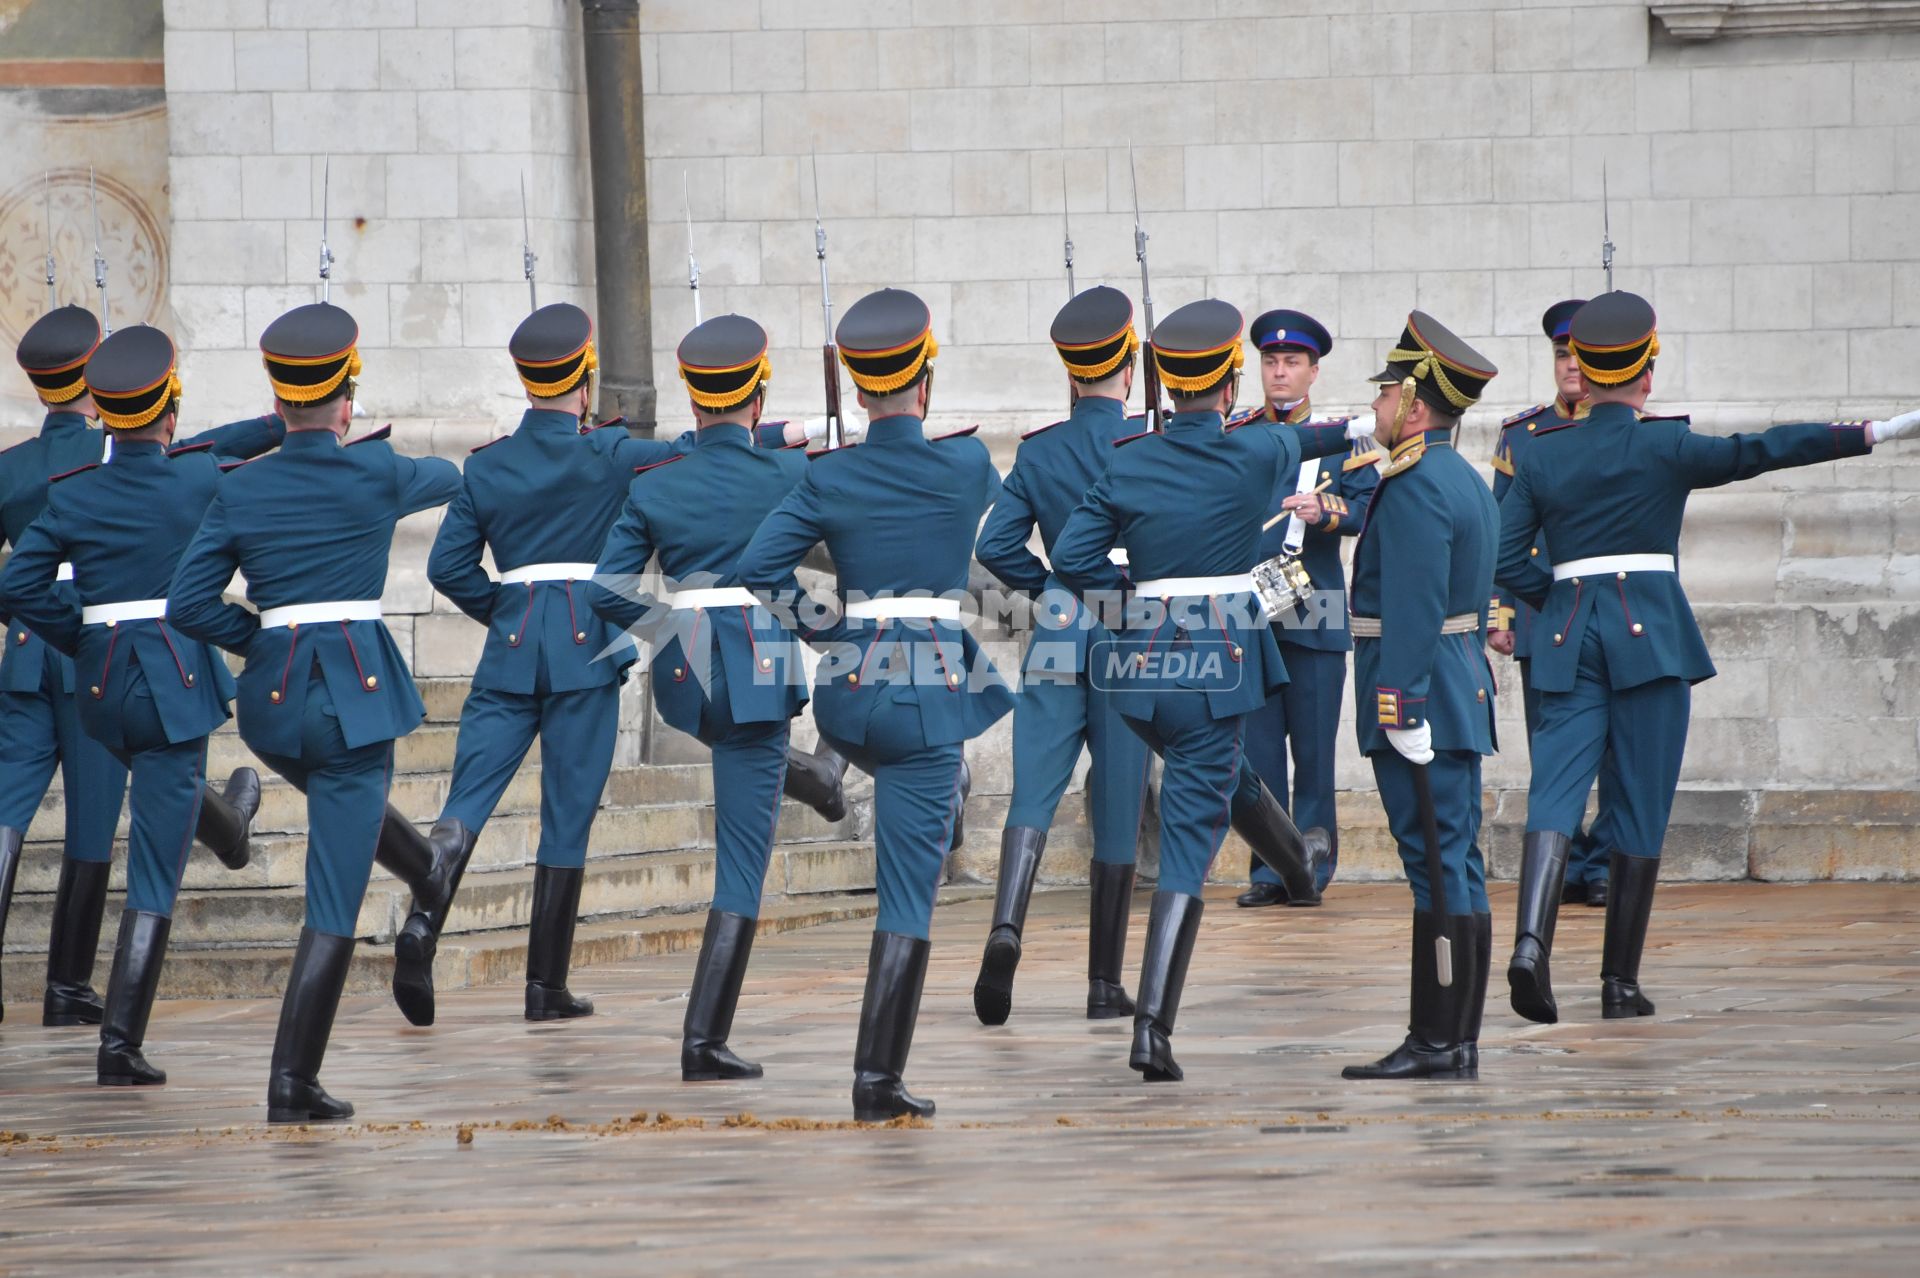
{"points": [[1765, 1122]]}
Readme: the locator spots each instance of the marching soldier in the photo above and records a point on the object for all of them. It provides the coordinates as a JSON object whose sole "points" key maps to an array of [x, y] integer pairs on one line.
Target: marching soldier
{"points": [[1620, 650], [1511, 620], [542, 499], [325, 691], [1060, 707], [154, 697], [39, 719], [1326, 502], [1194, 654], [724, 668], [905, 684], [1421, 576]]}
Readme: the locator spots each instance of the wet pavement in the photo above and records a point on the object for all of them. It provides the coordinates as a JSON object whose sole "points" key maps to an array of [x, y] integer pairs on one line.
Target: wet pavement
{"points": [[1766, 1121]]}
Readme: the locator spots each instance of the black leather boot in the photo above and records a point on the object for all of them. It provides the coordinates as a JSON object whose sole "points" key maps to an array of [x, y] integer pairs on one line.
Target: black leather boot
{"points": [[1474, 1005], [1172, 924], [294, 1094], [817, 780], [1596, 894], [419, 938], [556, 908], [1260, 895], [226, 819], [137, 955], [1432, 1046], [704, 1054], [896, 973], [1110, 899], [960, 795], [10, 843], [405, 853], [1020, 849], [1259, 819], [1543, 868], [1629, 906], [77, 907]]}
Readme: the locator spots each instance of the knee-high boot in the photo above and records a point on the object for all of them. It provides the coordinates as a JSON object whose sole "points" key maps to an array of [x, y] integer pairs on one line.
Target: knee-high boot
{"points": [[137, 955], [1111, 897], [717, 977], [1020, 849], [77, 908], [1473, 1006], [556, 908], [896, 973], [1432, 1046], [294, 1094], [419, 939], [1172, 925], [1543, 868], [1258, 818], [405, 853], [1629, 906], [226, 818], [11, 841], [818, 780]]}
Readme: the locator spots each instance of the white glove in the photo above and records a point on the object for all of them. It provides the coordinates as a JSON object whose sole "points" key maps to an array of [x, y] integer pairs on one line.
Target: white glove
{"points": [[816, 430], [1905, 426], [1360, 427], [1415, 744]]}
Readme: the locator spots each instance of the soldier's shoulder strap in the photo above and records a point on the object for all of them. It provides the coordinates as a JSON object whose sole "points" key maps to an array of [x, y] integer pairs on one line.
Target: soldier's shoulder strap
{"points": [[611, 421], [1128, 439], [498, 439], [964, 432], [1041, 430], [1523, 415], [1357, 460], [1404, 458], [1682, 418], [181, 450], [69, 474], [226, 466], [382, 433], [815, 454], [664, 461]]}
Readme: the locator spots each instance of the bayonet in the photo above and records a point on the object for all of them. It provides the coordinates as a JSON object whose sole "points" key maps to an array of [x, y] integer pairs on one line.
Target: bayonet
{"points": [[693, 263], [1606, 229], [1066, 228], [1154, 420], [326, 254], [99, 258], [836, 429], [47, 179], [528, 259]]}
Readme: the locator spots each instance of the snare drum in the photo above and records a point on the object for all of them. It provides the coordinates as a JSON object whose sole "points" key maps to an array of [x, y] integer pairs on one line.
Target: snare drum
{"points": [[1282, 584]]}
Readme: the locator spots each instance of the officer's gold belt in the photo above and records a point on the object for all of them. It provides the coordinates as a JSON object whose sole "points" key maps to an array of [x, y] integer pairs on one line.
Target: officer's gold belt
{"points": [[1464, 624]]}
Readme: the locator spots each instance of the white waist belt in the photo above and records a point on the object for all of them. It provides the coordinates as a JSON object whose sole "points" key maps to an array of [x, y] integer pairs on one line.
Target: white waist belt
{"points": [[925, 609], [1601, 565], [1238, 583], [131, 610], [527, 573], [1463, 624], [714, 597], [65, 573], [1117, 556], [305, 614]]}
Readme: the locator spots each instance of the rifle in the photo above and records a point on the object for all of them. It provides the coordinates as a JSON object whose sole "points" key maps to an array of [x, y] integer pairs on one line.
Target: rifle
{"points": [[326, 254], [1066, 230], [1155, 419], [528, 259], [99, 258], [830, 355], [47, 179], [693, 263], [1606, 229]]}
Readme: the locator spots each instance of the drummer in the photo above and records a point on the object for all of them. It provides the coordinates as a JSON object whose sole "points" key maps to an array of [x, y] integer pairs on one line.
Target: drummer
{"points": [[1324, 503]]}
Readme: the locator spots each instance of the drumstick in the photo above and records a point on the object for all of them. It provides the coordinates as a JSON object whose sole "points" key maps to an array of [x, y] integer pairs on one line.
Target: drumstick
{"points": [[1320, 488]]}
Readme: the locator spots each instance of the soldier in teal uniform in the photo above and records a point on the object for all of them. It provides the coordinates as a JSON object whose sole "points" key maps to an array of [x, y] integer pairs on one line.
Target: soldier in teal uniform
{"points": [[1619, 650], [1060, 709], [1511, 620], [903, 684], [1326, 503], [152, 697], [724, 669], [1422, 574], [325, 691], [1191, 654]]}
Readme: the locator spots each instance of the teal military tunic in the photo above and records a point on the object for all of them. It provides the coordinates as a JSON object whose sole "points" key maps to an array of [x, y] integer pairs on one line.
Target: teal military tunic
{"points": [[897, 695], [1426, 556], [321, 703], [729, 674], [1618, 650], [1060, 707]]}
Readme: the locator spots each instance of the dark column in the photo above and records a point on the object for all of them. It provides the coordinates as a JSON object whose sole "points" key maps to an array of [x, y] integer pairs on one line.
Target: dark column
{"points": [[618, 151]]}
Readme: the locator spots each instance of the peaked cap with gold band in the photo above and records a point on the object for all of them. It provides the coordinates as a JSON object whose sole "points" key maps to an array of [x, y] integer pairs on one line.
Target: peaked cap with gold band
{"points": [[886, 341], [724, 362], [130, 377], [309, 353], [54, 352], [553, 349], [1432, 363], [1614, 338], [1198, 346], [1558, 318], [1094, 333]]}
